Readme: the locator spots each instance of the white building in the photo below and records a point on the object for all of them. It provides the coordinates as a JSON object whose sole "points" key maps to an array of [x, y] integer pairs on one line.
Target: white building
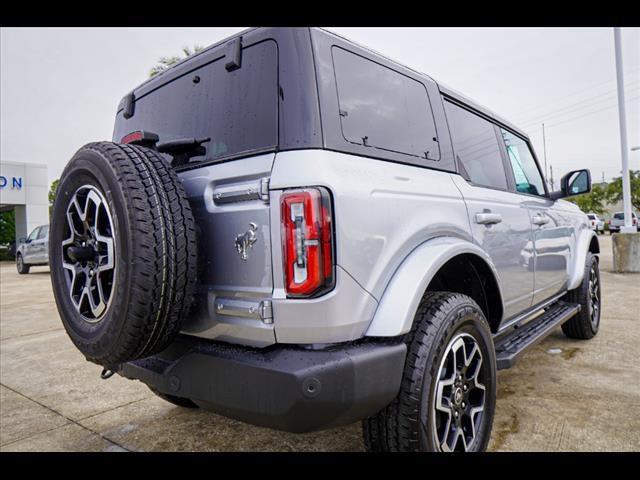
{"points": [[25, 188]]}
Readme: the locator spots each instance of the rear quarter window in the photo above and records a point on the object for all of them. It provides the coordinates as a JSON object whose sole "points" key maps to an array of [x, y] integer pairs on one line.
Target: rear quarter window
{"points": [[382, 108], [237, 109]]}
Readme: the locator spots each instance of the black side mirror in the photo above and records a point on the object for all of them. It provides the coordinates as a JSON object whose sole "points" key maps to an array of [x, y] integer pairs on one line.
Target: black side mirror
{"points": [[576, 182]]}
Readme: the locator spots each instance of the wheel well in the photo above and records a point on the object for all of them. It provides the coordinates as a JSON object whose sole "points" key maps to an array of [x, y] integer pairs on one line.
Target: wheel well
{"points": [[470, 275], [594, 245]]}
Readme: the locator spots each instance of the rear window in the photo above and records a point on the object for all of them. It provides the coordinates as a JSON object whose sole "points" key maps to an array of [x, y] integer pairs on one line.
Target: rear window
{"points": [[591, 217], [237, 109], [382, 108], [619, 216]]}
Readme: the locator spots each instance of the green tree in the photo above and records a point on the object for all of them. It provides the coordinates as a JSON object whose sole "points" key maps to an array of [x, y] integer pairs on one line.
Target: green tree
{"points": [[593, 201], [166, 62], [7, 227], [52, 194], [614, 189]]}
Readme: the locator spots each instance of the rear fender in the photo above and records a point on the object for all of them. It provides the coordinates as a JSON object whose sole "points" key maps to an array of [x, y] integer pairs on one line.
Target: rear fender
{"points": [[399, 303]]}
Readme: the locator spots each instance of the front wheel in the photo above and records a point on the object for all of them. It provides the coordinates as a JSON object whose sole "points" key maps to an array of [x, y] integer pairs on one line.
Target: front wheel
{"points": [[447, 396], [22, 267], [585, 324]]}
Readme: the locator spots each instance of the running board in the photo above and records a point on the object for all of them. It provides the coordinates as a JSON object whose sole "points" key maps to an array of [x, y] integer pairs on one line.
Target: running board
{"points": [[510, 346]]}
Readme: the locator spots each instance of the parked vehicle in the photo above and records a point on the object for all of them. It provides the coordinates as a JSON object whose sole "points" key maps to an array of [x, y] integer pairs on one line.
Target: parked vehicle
{"points": [[597, 224], [297, 232], [617, 221], [34, 250]]}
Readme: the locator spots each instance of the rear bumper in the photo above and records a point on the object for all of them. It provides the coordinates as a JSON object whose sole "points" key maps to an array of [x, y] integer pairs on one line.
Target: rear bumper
{"points": [[287, 388]]}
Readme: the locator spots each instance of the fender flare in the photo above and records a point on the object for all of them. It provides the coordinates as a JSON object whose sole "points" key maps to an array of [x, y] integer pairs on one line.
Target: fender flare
{"points": [[580, 256], [399, 303]]}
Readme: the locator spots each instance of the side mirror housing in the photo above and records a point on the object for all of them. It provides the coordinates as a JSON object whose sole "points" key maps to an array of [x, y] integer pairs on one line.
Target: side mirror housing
{"points": [[22, 240], [575, 182]]}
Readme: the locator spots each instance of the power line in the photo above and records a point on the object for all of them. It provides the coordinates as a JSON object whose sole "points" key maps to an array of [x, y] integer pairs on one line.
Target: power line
{"points": [[577, 93], [584, 114], [576, 106]]}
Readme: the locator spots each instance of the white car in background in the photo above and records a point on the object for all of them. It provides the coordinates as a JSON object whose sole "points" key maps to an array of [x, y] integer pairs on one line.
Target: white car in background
{"points": [[617, 221], [597, 224]]}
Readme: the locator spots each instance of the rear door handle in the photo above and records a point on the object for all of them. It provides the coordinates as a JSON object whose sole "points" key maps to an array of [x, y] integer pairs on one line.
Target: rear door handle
{"points": [[488, 218], [539, 219]]}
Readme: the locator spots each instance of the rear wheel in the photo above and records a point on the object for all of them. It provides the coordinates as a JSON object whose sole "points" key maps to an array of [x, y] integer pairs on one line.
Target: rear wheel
{"points": [[586, 323], [122, 252], [22, 267], [447, 396]]}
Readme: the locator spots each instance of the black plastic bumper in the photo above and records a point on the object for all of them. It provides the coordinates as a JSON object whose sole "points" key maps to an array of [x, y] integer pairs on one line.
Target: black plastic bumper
{"points": [[287, 388]]}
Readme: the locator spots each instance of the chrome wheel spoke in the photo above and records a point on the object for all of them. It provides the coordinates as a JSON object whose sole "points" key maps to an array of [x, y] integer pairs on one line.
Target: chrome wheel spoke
{"points": [[460, 395], [88, 253]]}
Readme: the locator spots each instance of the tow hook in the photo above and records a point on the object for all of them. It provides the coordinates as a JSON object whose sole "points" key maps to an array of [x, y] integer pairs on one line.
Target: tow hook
{"points": [[106, 373]]}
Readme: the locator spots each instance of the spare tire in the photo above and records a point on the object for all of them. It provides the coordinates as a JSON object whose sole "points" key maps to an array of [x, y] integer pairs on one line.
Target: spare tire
{"points": [[122, 251]]}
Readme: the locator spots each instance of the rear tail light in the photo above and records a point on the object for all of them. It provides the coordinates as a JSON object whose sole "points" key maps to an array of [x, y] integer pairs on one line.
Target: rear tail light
{"points": [[307, 235]]}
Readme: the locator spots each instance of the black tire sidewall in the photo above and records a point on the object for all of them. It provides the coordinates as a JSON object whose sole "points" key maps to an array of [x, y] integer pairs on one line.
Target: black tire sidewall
{"points": [[89, 167], [474, 324], [592, 262], [20, 265]]}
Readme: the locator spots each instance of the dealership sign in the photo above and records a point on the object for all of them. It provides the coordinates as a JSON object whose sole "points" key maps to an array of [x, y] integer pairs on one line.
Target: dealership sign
{"points": [[13, 182]]}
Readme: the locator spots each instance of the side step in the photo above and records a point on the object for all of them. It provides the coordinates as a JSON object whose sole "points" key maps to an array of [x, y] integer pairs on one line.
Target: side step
{"points": [[509, 347]]}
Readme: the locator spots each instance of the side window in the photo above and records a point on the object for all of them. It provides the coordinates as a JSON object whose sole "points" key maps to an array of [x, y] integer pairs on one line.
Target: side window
{"points": [[476, 147], [43, 232], [34, 234], [525, 170], [382, 108]]}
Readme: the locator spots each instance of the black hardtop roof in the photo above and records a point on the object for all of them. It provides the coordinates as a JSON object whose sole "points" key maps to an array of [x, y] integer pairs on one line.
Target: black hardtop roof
{"points": [[449, 92]]}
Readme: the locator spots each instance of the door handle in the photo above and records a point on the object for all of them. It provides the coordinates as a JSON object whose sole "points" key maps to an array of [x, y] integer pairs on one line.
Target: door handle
{"points": [[488, 218], [540, 219]]}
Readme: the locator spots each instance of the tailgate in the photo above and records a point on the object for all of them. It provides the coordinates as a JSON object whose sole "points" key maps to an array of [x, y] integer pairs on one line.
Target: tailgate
{"points": [[230, 203]]}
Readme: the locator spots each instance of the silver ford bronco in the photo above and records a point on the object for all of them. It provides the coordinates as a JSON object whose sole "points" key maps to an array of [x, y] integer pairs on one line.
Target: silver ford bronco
{"points": [[295, 231]]}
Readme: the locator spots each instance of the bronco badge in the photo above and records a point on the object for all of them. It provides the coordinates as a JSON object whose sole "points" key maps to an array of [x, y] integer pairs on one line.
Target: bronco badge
{"points": [[246, 240]]}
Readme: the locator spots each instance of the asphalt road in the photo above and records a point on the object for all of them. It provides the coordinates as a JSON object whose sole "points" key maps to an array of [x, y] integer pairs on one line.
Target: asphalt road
{"points": [[563, 395]]}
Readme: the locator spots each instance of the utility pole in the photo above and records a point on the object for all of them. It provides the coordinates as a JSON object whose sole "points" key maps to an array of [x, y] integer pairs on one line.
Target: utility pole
{"points": [[626, 186], [544, 149], [551, 180]]}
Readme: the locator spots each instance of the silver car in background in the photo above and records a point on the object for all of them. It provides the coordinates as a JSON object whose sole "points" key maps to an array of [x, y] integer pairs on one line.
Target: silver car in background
{"points": [[617, 221], [597, 224], [34, 250]]}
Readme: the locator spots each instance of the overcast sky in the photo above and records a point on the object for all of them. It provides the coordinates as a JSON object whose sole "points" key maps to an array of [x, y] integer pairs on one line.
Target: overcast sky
{"points": [[60, 86]]}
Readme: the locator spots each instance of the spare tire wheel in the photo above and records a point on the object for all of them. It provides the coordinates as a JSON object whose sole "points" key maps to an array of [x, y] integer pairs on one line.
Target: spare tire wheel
{"points": [[122, 252]]}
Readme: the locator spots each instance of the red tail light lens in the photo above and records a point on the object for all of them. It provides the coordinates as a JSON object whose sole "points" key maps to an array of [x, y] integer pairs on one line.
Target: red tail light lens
{"points": [[307, 235]]}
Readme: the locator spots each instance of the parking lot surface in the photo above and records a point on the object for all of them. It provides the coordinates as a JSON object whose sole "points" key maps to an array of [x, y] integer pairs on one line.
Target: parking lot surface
{"points": [[563, 395]]}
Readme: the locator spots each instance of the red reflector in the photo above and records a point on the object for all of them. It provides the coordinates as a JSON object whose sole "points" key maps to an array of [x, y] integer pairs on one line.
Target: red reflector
{"points": [[132, 137], [307, 242], [140, 137]]}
